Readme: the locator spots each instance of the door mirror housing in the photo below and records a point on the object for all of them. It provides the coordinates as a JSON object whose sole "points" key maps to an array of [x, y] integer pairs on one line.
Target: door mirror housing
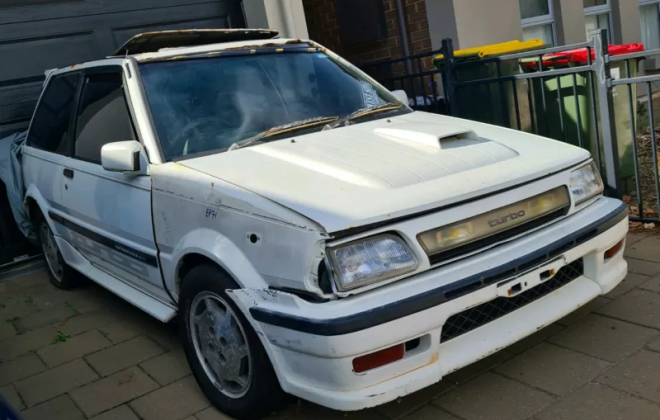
{"points": [[401, 96], [122, 156]]}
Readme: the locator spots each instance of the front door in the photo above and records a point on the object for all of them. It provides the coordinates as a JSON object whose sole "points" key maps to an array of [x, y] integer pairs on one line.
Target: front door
{"points": [[108, 214]]}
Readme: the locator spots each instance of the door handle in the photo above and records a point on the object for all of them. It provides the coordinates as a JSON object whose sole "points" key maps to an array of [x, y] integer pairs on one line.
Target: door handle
{"points": [[68, 172]]}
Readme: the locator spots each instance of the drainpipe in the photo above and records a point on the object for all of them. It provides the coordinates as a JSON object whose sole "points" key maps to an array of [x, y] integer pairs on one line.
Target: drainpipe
{"points": [[286, 14], [403, 33]]}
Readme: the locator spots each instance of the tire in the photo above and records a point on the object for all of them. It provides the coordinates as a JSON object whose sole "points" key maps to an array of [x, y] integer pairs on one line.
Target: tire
{"points": [[60, 274], [256, 391]]}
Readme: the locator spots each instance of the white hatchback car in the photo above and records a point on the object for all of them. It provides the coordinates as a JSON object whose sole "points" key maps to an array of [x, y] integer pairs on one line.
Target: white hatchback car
{"points": [[316, 236]]}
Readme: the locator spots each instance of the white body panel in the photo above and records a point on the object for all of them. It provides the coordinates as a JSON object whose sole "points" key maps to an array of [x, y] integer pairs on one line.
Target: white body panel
{"points": [[354, 176], [266, 213]]}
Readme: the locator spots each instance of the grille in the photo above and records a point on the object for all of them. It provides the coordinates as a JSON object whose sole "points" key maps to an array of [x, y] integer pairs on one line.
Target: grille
{"points": [[499, 237], [481, 315]]}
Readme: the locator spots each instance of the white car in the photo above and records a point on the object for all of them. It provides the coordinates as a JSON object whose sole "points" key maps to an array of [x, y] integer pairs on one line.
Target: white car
{"points": [[316, 236]]}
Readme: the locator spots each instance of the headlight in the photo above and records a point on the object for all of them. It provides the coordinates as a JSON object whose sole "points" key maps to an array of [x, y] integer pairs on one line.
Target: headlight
{"points": [[370, 260], [485, 225], [585, 183]]}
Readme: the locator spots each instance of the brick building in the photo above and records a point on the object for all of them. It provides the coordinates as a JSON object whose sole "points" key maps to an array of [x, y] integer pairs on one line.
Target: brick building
{"points": [[323, 25]]}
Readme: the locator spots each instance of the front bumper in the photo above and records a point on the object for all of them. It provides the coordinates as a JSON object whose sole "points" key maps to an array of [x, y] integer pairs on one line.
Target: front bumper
{"points": [[312, 346]]}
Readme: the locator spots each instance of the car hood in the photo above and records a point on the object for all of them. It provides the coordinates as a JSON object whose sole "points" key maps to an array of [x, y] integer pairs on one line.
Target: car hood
{"points": [[374, 171]]}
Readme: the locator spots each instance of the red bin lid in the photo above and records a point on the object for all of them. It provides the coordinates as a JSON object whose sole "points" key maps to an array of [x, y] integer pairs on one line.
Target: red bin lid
{"points": [[579, 55]]}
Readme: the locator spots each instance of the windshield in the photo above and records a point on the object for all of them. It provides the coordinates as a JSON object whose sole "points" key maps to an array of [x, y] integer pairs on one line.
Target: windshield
{"points": [[206, 105]]}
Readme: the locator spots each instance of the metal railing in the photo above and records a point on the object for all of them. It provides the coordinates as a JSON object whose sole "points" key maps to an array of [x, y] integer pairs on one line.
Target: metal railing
{"points": [[421, 84], [581, 104], [594, 105], [644, 192]]}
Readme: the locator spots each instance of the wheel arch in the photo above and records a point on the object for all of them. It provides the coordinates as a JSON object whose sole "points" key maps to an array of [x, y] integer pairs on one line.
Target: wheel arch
{"points": [[205, 246]]}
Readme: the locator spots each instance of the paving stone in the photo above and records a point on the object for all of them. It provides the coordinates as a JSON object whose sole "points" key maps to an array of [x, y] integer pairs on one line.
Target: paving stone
{"points": [[405, 405], [321, 413], [51, 299], [46, 317], [167, 368], [123, 412], [166, 336], [653, 284], [473, 370], [210, 413], [89, 321], [7, 330], [534, 339], [583, 311], [429, 412], [123, 355], [603, 337], [75, 347], [112, 391], [19, 368], [638, 306], [654, 345], [173, 402], [596, 402], [120, 331], [647, 249], [648, 268], [60, 408], [34, 283], [494, 397], [634, 237], [631, 281], [553, 369], [639, 375], [51, 383], [15, 308], [12, 397], [30, 341]]}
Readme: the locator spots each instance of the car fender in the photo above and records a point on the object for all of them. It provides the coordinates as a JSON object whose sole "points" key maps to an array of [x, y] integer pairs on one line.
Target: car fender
{"points": [[217, 248]]}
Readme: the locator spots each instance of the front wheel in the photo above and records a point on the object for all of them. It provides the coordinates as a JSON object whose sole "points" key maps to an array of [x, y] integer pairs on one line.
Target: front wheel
{"points": [[61, 275], [226, 356]]}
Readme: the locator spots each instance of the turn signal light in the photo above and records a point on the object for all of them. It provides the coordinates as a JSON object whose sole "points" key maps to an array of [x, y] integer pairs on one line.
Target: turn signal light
{"points": [[614, 250], [378, 359]]}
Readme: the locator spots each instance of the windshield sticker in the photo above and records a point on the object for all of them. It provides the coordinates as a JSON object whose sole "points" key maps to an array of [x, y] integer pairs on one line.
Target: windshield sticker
{"points": [[369, 95]]}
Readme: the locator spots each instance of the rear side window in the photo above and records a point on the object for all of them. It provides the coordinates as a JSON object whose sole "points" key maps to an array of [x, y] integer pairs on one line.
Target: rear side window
{"points": [[50, 126], [103, 115]]}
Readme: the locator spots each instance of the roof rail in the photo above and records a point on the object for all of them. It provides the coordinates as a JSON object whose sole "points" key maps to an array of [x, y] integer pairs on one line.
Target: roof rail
{"points": [[154, 41]]}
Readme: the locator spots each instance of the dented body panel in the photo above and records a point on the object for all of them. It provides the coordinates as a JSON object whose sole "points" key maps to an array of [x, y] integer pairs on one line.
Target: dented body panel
{"points": [[268, 214]]}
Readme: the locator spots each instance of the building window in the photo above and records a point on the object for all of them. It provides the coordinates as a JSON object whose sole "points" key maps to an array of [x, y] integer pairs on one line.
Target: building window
{"points": [[649, 16], [537, 20], [597, 16]]}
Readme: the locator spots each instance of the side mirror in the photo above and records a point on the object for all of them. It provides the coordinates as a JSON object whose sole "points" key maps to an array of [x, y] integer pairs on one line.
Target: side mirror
{"points": [[401, 96], [121, 156]]}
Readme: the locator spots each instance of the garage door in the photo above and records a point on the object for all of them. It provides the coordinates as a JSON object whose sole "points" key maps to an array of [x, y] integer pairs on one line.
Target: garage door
{"points": [[36, 35]]}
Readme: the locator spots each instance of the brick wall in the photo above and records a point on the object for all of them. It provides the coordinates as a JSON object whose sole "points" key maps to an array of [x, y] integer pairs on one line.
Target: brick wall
{"points": [[324, 29]]}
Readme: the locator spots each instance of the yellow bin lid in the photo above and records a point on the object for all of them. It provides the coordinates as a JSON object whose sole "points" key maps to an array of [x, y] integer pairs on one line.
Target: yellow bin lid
{"points": [[492, 49]]}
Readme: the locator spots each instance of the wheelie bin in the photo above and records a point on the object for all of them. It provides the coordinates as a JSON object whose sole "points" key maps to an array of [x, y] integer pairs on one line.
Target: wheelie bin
{"points": [[576, 112], [492, 102]]}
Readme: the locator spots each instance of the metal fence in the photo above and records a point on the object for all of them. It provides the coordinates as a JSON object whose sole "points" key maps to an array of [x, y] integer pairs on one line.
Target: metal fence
{"points": [[415, 75], [595, 105]]}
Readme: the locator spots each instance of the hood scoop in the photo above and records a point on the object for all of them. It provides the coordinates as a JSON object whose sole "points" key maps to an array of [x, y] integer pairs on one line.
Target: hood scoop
{"points": [[432, 135]]}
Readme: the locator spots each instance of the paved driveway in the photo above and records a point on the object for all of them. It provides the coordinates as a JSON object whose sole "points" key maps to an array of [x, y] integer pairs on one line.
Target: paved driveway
{"points": [[87, 354]]}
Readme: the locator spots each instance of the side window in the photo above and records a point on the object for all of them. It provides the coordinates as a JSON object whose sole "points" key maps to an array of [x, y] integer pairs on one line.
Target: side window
{"points": [[103, 116], [50, 125]]}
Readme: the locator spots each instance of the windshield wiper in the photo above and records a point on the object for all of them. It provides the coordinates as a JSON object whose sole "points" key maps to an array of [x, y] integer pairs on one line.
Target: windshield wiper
{"points": [[297, 125], [361, 113]]}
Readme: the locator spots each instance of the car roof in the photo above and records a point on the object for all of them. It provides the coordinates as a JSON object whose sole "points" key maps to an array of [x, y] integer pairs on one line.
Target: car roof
{"points": [[154, 41], [182, 52]]}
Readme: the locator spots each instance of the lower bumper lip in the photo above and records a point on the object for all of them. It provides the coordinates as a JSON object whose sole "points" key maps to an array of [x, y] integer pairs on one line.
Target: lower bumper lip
{"points": [[363, 320]]}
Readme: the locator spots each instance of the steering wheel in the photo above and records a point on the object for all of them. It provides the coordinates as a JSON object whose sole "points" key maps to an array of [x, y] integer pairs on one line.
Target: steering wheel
{"points": [[198, 129]]}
